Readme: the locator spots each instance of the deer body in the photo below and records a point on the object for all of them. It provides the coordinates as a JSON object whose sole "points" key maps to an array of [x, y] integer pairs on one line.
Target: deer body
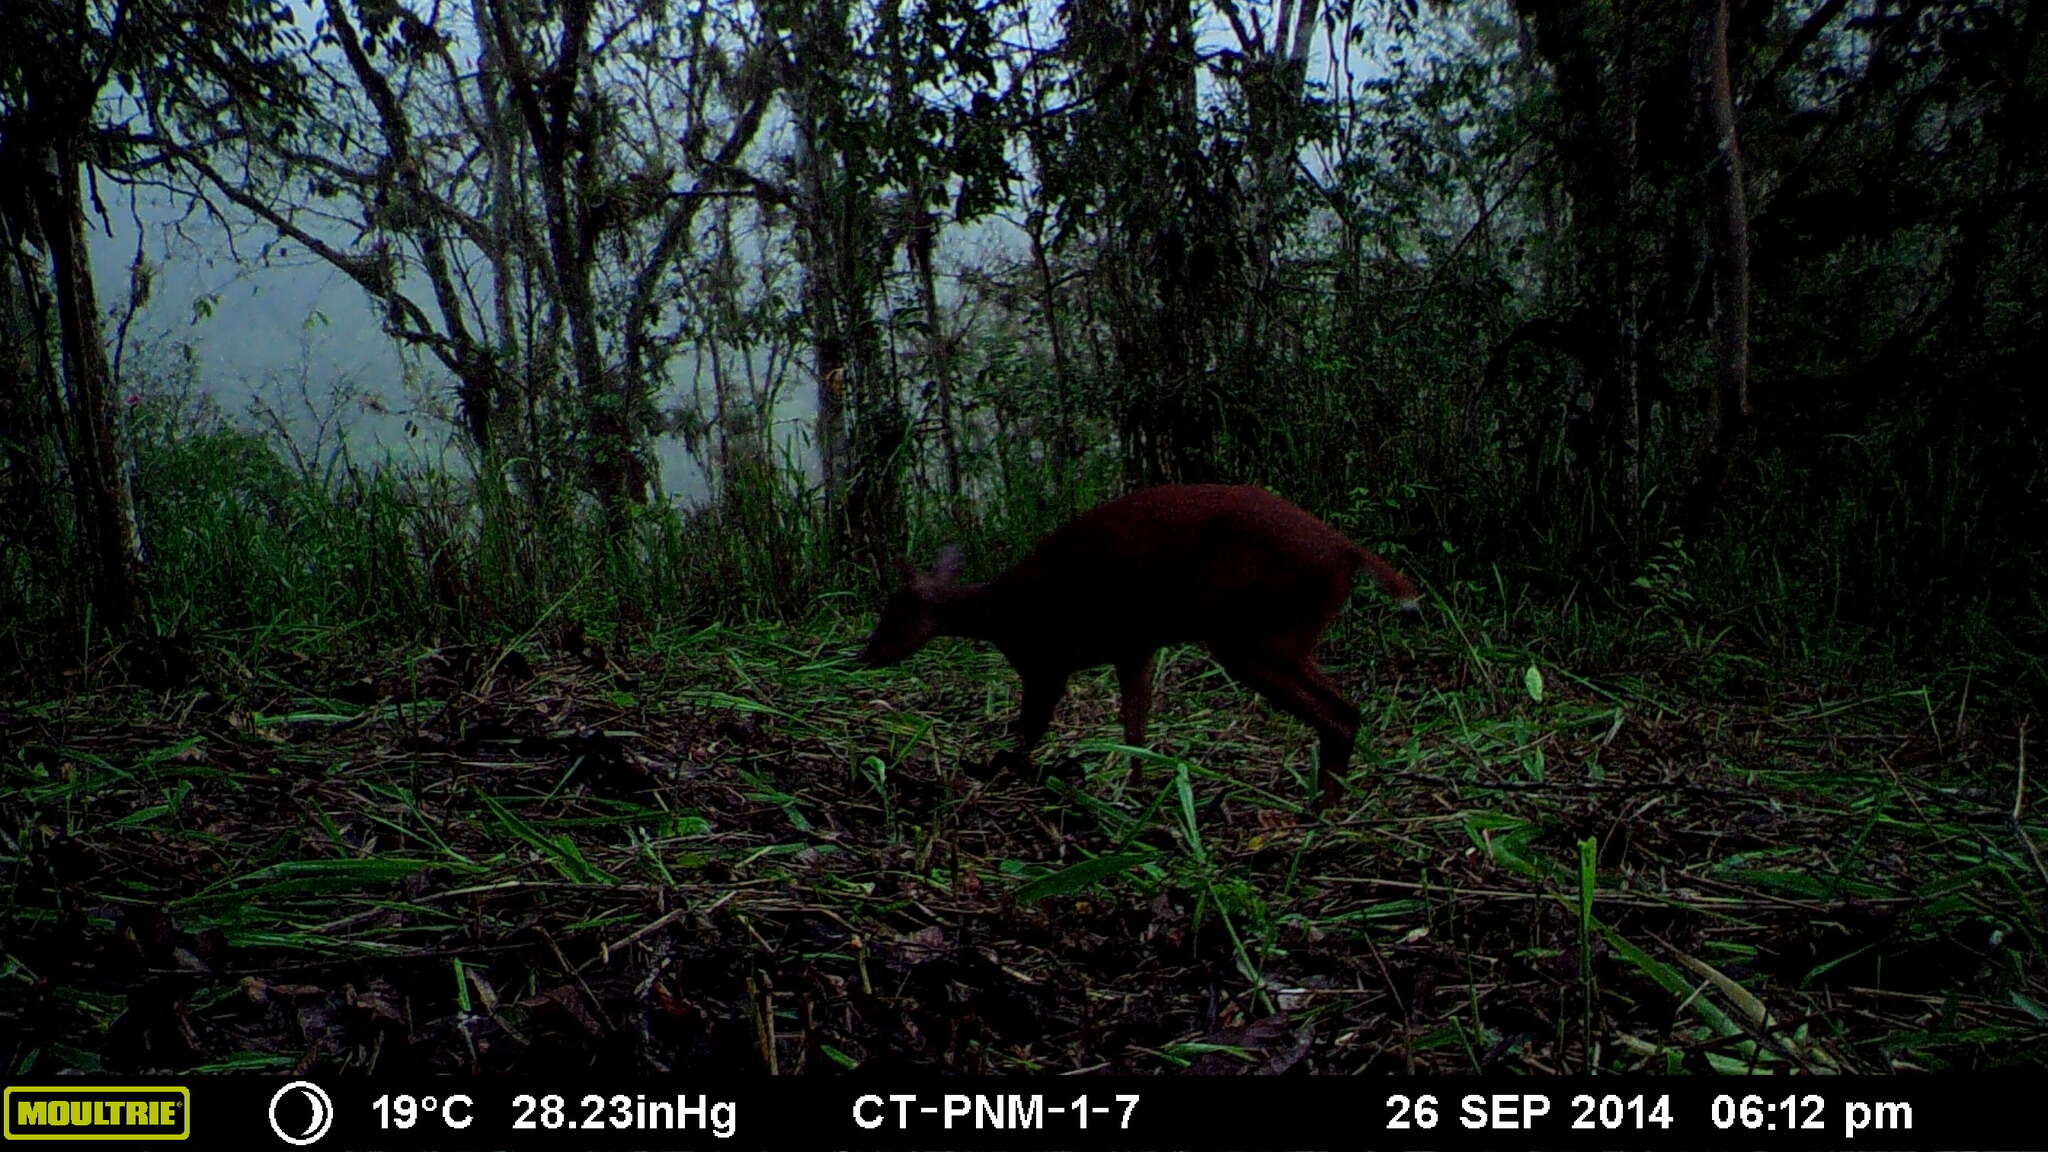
{"points": [[1237, 569]]}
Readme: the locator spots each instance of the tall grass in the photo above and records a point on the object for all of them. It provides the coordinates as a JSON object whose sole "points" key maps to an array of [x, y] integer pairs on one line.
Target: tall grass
{"points": [[257, 543], [253, 542]]}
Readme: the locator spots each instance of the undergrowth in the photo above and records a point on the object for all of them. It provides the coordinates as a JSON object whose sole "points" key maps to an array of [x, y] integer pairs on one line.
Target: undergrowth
{"points": [[408, 782], [731, 844]]}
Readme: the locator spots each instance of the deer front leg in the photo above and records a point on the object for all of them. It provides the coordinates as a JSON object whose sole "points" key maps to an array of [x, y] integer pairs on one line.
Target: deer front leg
{"points": [[1043, 690], [1134, 687]]}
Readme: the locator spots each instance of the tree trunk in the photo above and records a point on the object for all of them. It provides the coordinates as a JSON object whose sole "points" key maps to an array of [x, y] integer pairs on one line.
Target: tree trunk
{"points": [[31, 411], [1731, 233], [1166, 233], [1730, 243], [920, 243], [108, 540], [860, 417], [813, 247], [1065, 444], [501, 432], [724, 289], [1599, 161], [546, 99], [828, 344], [1275, 77]]}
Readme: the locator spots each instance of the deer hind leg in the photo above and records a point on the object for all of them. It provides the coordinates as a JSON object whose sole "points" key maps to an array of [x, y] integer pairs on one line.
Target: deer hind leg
{"points": [[1339, 737], [1338, 731], [1134, 692], [1279, 670]]}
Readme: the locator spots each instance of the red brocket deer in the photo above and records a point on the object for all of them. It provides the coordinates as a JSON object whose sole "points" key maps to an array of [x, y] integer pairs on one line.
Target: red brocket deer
{"points": [[1243, 572]]}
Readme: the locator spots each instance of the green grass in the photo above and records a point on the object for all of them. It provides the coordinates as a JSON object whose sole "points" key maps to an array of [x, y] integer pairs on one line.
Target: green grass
{"points": [[392, 758], [1623, 869]]}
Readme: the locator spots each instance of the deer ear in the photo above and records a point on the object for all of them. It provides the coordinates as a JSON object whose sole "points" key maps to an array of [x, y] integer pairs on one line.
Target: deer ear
{"points": [[946, 568]]}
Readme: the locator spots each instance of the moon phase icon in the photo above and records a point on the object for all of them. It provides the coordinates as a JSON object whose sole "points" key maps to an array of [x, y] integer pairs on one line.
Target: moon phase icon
{"points": [[317, 1104]]}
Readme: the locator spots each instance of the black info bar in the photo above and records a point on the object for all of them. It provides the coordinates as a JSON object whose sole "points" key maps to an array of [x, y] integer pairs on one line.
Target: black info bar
{"points": [[918, 1112]]}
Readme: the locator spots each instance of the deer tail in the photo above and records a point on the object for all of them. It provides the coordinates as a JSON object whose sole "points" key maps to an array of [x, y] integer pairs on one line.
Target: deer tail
{"points": [[1406, 598]]}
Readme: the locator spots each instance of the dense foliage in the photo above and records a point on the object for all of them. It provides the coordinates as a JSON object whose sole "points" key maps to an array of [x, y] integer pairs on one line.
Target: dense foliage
{"points": [[1734, 305]]}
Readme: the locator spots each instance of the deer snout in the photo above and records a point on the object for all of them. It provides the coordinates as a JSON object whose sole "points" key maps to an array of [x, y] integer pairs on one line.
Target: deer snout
{"points": [[881, 651]]}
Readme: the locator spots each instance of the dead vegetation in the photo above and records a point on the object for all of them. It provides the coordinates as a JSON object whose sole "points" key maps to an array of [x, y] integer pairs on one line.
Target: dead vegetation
{"points": [[734, 853]]}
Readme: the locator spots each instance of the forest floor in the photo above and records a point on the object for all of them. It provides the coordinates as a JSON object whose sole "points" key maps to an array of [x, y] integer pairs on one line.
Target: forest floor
{"points": [[734, 849]]}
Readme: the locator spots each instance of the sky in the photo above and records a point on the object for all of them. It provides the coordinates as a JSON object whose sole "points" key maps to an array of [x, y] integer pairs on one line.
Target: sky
{"points": [[288, 331], [282, 328]]}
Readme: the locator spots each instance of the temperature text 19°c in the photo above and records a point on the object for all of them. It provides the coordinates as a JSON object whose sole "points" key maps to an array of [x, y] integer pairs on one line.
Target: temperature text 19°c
{"points": [[1511, 1111], [551, 1113], [993, 1112]]}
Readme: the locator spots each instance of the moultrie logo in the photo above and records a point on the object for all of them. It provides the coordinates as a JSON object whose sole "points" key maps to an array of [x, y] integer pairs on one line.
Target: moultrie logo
{"points": [[94, 1112]]}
